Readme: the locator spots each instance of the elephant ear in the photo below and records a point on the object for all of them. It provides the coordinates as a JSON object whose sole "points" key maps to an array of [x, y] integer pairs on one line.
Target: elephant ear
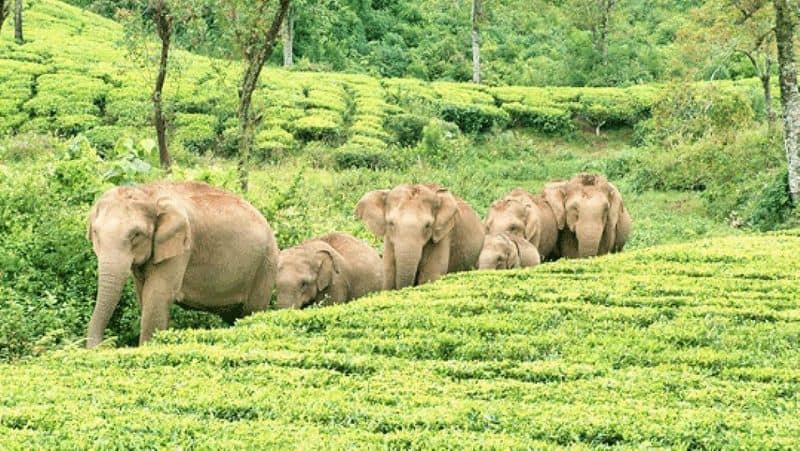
{"points": [[327, 266], [533, 229], [528, 253], [446, 212], [172, 232], [89, 220], [371, 210], [554, 195], [512, 252]]}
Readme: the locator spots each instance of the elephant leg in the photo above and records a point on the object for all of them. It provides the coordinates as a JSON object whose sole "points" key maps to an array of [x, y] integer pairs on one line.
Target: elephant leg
{"points": [[162, 284], [155, 311], [435, 261], [261, 292]]}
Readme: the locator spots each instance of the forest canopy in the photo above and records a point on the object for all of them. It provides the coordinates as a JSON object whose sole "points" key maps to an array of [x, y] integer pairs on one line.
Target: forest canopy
{"points": [[524, 42]]}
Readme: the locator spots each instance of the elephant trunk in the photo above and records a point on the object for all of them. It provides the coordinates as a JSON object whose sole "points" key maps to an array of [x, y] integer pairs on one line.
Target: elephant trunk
{"points": [[407, 258], [588, 240], [111, 279], [487, 260]]}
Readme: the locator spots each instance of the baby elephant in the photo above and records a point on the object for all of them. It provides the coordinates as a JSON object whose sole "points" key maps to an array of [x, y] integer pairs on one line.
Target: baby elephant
{"points": [[507, 251], [331, 269]]}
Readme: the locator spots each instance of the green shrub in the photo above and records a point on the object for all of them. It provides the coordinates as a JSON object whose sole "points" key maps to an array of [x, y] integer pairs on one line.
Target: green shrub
{"points": [[353, 156], [773, 206], [546, 119], [406, 128], [105, 137], [319, 125], [72, 124], [271, 144], [197, 132], [474, 118]]}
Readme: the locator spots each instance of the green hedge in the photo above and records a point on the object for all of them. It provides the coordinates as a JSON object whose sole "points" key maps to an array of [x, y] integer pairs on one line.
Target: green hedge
{"points": [[474, 118]]}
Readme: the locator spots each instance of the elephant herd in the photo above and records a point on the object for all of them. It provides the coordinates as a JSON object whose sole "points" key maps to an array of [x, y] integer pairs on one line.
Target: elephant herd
{"points": [[207, 249]]}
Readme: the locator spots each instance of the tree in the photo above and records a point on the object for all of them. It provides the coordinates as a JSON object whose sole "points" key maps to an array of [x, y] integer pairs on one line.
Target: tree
{"points": [[288, 38], [18, 22], [163, 20], [5, 9], [721, 30], [476, 41], [595, 16], [254, 34], [785, 15]]}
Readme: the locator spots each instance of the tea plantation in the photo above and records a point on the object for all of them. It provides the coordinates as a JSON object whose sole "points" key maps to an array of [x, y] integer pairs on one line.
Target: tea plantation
{"points": [[75, 74], [688, 339], [688, 346]]}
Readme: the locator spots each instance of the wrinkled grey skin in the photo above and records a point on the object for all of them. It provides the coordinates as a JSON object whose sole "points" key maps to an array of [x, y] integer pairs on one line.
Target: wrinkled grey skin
{"points": [[506, 251], [189, 243], [537, 218], [597, 221], [427, 232], [331, 269]]}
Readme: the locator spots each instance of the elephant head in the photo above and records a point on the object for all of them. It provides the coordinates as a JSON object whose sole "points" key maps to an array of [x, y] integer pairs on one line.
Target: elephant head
{"points": [[129, 228], [505, 251], [592, 207], [307, 274], [514, 214], [411, 219]]}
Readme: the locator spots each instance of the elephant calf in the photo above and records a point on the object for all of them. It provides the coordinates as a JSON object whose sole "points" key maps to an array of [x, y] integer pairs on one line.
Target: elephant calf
{"points": [[331, 269], [189, 243], [507, 251]]}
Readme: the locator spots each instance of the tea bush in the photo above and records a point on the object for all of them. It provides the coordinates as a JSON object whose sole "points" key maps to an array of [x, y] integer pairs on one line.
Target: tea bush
{"points": [[683, 346]]}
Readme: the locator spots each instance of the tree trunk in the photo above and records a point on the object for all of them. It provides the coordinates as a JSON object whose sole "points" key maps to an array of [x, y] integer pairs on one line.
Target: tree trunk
{"points": [[18, 22], [4, 7], [606, 6], [765, 83], [164, 28], [288, 39], [255, 62], [790, 98], [476, 42]]}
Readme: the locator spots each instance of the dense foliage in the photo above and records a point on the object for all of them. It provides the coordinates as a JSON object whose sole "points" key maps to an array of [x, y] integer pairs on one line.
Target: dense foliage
{"points": [[525, 42], [685, 346], [323, 140]]}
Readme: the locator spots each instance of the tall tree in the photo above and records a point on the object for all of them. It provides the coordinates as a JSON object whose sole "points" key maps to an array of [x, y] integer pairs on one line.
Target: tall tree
{"points": [[255, 34], [721, 30], [288, 38], [476, 41], [163, 21], [595, 16], [5, 9], [785, 16], [18, 22]]}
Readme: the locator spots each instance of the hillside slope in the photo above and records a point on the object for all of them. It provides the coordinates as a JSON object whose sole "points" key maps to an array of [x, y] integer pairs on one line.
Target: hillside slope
{"points": [[691, 346], [75, 75]]}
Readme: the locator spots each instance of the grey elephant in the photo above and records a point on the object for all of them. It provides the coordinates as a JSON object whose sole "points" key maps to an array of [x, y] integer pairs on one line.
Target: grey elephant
{"points": [[537, 218], [189, 243], [507, 251], [596, 219], [331, 269], [426, 230]]}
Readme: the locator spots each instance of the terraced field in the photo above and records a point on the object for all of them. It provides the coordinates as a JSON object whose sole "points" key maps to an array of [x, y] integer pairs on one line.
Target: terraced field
{"points": [[74, 75], [689, 346]]}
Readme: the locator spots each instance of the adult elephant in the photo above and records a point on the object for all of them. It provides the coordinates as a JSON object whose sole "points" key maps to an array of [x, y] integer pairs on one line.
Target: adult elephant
{"points": [[334, 268], [537, 218], [187, 242], [426, 231], [596, 219]]}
